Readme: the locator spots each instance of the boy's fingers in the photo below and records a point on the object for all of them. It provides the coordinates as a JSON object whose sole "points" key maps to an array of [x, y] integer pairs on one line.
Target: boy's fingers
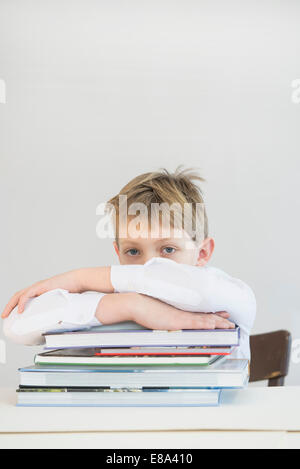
{"points": [[24, 298], [225, 324], [22, 302], [20, 299], [223, 314], [11, 305], [206, 323], [222, 320], [219, 320], [191, 321]]}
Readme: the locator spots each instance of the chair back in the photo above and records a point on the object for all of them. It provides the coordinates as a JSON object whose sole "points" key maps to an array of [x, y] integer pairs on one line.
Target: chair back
{"points": [[270, 357]]}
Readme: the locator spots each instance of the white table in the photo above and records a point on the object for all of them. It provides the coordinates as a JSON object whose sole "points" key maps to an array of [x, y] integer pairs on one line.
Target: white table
{"points": [[252, 418]]}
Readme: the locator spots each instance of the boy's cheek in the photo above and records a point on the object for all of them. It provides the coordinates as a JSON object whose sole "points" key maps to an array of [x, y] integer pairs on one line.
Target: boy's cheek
{"points": [[188, 257]]}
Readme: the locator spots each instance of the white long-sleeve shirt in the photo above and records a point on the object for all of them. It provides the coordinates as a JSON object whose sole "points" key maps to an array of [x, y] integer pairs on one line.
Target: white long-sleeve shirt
{"points": [[197, 289]]}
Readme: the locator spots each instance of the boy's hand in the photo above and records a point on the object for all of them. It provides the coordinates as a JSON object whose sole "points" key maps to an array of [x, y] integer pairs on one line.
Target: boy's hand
{"points": [[76, 281], [69, 281], [155, 314]]}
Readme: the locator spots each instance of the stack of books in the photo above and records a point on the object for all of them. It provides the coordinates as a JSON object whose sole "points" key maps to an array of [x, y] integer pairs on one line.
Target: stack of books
{"points": [[127, 365]]}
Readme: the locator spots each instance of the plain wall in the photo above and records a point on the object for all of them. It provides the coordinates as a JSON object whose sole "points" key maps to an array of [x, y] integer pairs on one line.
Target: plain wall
{"points": [[99, 91]]}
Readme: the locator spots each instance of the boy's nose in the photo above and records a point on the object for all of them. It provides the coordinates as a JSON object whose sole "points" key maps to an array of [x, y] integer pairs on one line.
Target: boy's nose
{"points": [[149, 256]]}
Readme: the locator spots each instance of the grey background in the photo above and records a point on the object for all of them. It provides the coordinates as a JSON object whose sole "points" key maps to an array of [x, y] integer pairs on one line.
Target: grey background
{"points": [[99, 91]]}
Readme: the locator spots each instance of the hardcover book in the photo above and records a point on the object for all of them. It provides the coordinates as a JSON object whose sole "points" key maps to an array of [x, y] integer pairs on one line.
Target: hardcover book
{"points": [[125, 335], [132, 356], [222, 374], [117, 397]]}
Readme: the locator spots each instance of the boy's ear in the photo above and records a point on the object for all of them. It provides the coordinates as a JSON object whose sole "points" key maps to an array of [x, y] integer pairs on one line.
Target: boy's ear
{"points": [[116, 249], [205, 251]]}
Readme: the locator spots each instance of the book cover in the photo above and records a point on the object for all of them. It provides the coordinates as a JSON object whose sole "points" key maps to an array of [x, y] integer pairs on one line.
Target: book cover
{"points": [[122, 337], [224, 374], [96, 356], [117, 397]]}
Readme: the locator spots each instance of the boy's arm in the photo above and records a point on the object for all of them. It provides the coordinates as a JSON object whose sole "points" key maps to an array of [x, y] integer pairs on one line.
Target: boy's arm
{"points": [[155, 314], [183, 286], [56, 310], [190, 288], [76, 281], [60, 310]]}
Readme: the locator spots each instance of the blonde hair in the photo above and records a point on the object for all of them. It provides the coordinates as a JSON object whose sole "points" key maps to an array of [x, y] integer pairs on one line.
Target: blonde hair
{"points": [[164, 187]]}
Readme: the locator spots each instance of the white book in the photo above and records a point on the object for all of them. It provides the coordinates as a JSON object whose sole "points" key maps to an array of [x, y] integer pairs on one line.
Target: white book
{"points": [[119, 398], [230, 373], [129, 334]]}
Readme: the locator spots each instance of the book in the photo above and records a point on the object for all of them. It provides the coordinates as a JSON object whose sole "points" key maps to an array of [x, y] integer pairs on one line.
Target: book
{"points": [[221, 374], [171, 350], [121, 397], [126, 335], [97, 356]]}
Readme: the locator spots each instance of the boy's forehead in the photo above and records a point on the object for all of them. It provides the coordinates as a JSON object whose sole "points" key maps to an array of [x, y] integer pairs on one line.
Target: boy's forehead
{"points": [[159, 233]]}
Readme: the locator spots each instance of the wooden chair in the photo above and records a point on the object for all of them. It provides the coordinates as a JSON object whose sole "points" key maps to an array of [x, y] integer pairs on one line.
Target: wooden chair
{"points": [[270, 357]]}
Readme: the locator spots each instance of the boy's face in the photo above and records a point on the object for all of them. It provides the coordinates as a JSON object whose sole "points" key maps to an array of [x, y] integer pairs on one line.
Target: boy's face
{"points": [[177, 246]]}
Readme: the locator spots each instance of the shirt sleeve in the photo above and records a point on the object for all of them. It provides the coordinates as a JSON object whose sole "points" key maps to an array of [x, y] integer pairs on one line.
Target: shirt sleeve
{"points": [[56, 310], [190, 288]]}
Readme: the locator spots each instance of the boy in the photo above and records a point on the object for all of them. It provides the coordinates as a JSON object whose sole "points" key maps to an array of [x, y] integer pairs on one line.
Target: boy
{"points": [[162, 282]]}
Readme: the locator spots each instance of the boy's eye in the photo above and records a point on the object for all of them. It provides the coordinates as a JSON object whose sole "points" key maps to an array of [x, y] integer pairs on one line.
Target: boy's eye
{"points": [[132, 252], [169, 250]]}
